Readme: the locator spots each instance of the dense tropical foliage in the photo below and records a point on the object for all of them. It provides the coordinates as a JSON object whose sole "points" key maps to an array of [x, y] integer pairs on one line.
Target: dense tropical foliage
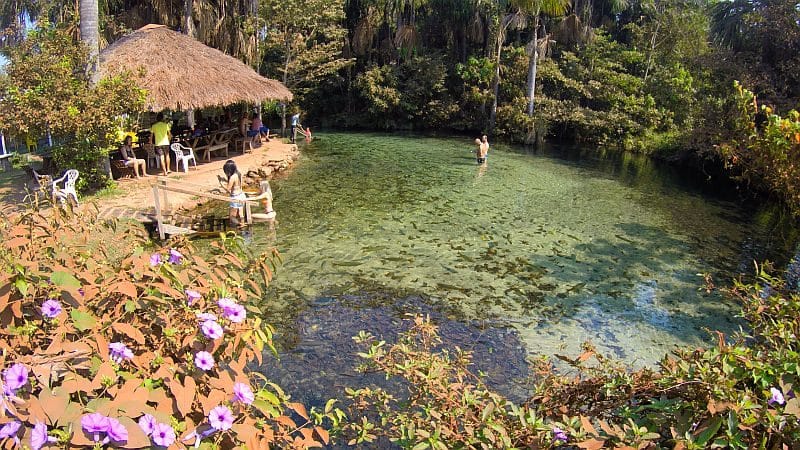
{"points": [[653, 75]]}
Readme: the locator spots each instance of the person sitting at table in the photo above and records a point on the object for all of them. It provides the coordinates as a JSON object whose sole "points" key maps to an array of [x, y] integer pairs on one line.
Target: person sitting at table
{"points": [[160, 137], [126, 151], [257, 128]]}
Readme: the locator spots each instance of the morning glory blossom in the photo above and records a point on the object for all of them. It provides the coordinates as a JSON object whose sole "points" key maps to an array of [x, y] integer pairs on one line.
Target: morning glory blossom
{"points": [[211, 329], [204, 361], [39, 436], [94, 424], [163, 435], [242, 393], [777, 396], [175, 256], [202, 317], [220, 418], [116, 431], [192, 296], [147, 423], [10, 429], [155, 259], [15, 377], [559, 435], [51, 308], [235, 313], [119, 352], [226, 303]]}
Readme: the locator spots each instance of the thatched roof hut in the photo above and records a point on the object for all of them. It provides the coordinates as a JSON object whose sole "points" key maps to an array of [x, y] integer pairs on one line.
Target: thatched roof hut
{"points": [[180, 72]]}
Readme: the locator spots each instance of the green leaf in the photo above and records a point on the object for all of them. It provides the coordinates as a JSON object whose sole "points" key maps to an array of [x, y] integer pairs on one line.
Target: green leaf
{"points": [[709, 431], [64, 279], [83, 320], [21, 285], [130, 306]]}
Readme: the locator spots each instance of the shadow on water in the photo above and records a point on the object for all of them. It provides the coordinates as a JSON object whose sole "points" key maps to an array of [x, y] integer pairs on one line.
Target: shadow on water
{"points": [[318, 362]]}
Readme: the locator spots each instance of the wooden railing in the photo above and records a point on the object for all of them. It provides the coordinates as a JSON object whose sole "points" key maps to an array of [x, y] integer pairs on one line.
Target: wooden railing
{"points": [[161, 189]]}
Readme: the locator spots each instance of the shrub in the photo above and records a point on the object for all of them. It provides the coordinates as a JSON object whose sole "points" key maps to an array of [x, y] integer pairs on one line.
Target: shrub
{"points": [[739, 393], [107, 342]]}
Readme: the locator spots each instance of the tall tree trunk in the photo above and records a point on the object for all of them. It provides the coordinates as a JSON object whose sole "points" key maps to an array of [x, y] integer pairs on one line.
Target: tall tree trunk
{"points": [[501, 37], [188, 29], [285, 80], [532, 65], [90, 33], [188, 22]]}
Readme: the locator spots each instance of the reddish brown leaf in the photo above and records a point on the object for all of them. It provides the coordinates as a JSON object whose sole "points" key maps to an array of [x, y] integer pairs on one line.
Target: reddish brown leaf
{"points": [[212, 400], [136, 437], [126, 288], [183, 394], [286, 421], [323, 434], [587, 426], [54, 405], [130, 331], [106, 371], [300, 409]]}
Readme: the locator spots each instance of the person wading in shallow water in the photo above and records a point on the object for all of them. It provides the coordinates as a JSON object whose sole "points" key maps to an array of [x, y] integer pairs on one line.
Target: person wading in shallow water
{"points": [[234, 187], [483, 149]]}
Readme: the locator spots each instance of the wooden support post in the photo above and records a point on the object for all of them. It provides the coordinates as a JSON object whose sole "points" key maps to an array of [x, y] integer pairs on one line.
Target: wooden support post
{"points": [[163, 182], [159, 218]]}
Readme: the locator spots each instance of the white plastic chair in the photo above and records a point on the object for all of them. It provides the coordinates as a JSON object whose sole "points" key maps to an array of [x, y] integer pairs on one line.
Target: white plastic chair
{"points": [[63, 194], [152, 159], [183, 154]]}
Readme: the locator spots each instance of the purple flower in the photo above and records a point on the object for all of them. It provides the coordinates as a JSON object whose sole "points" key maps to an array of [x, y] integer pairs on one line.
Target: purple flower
{"points": [[15, 377], [204, 361], [220, 418], [175, 256], [51, 308], [198, 434], [119, 352], [94, 424], [206, 316], [211, 329], [235, 313], [777, 396], [39, 436], [163, 435], [242, 393], [147, 423], [225, 303], [192, 296], [10, 429], [559, 435], [155, 259], [117, 431]]}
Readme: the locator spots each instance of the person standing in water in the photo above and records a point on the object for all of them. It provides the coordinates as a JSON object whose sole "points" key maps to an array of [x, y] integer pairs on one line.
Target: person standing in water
{"points": [[483, 149], [234, 187]]}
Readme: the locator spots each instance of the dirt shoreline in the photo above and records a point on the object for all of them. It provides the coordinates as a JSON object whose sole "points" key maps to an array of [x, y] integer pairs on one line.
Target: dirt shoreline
{"points": [[135, 196]]}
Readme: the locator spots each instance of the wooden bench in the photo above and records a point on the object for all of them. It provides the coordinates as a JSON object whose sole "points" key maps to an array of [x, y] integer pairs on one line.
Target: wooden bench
{"points": [[120, 170], [217, 142]]}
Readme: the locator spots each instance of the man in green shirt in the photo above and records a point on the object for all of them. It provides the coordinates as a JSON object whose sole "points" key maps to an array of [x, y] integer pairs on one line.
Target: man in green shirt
{"points": [[160, 137]]}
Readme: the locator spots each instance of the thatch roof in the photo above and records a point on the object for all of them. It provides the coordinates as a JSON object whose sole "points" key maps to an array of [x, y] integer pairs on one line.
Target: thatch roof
{"points": [[180, 72]]}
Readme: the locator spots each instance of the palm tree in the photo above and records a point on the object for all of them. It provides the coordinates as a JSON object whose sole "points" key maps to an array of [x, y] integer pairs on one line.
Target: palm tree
{"points": [[90, 33], [508, 21], [535, 9]]}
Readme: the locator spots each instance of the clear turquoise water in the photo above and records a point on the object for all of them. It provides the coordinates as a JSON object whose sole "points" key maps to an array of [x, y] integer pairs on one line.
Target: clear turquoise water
{"points": [[563, 246]]}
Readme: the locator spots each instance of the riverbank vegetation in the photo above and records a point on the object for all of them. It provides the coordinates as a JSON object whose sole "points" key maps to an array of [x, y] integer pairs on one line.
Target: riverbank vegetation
{"points": [[651, 76], [121, 344]]}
